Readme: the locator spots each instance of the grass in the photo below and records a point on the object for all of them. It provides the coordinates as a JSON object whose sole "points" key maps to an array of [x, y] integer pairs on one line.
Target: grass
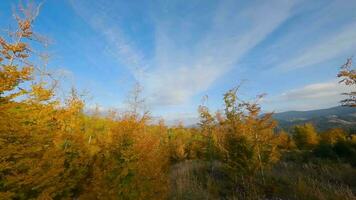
{"points": [[195, 179]]}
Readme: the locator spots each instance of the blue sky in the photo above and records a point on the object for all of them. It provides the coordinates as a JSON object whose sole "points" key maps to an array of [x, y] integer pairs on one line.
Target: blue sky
{"points": [[182, 50]]}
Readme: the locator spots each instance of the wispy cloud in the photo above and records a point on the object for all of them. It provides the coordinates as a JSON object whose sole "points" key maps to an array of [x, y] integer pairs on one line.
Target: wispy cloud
{"points": [[327, 48], [179, 71], [192, 49], [312, 96], [183, 71], [97, 15]]}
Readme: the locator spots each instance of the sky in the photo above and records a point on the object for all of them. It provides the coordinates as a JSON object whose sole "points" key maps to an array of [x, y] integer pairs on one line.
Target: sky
{"points": [[183, 50]]}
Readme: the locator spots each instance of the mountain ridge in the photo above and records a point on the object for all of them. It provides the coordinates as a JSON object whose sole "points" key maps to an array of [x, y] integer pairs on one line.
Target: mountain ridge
{"points": [[322, 119]]}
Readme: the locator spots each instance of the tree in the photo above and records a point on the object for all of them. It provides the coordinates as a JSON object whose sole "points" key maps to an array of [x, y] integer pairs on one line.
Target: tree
{"points": [[208, 129], [285, 141], [305, 136], [136, 103], [249, 143], [348, 77], [332, 136]]}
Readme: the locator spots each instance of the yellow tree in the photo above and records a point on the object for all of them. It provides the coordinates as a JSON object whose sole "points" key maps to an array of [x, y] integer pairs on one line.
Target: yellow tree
{"points": [[131, 162], [249, 142], [39, 159], [285, 141], [14, 123], [208, 129], [305, 136], [14, 67], [332, 136]]}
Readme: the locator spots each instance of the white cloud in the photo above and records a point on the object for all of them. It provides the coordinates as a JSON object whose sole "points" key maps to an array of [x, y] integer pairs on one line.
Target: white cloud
{"points": [[329, 47], [313, 96], [176, 118]]}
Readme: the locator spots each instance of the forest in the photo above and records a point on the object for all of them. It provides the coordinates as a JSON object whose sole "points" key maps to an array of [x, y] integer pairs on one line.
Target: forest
{"points": [[51, 148]]}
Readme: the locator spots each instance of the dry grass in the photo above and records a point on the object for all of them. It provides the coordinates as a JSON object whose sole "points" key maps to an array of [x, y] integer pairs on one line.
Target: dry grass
{"points": [[327, 181], [313, 181]]}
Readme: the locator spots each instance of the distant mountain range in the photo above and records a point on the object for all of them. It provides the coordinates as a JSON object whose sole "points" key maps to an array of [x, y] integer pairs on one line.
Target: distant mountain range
{"points": [[322, 119]]}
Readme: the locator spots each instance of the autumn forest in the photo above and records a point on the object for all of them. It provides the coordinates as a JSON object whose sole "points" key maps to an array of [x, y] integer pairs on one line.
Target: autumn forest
{"points": [[52, 148]]}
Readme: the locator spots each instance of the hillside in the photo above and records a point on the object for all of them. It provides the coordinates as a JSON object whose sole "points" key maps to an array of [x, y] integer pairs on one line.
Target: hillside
{"points": [[343, 117]]}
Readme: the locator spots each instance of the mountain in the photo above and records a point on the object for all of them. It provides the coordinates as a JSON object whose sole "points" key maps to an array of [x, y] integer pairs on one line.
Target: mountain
{"points": [[342, 117]]}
